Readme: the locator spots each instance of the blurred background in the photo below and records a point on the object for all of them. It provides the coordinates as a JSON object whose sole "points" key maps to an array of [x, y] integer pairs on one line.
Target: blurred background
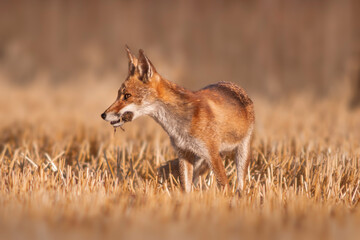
{"points": [[272, 48], [62, 62]]}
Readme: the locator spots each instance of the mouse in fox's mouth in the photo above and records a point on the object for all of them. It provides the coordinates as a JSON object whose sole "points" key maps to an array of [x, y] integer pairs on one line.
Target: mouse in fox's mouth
{"points": [[126, 117]]}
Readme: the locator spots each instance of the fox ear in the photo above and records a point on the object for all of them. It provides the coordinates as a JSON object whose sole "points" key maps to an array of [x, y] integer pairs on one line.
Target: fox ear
{"points": [[133, 61], [145, 67]]}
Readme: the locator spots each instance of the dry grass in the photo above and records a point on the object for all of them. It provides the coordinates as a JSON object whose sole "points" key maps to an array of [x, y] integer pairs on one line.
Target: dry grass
{"points": [[303, 178]]}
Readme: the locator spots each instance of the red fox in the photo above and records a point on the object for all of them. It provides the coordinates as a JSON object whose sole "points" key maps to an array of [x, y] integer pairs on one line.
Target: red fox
{"points": [[201, 125]]}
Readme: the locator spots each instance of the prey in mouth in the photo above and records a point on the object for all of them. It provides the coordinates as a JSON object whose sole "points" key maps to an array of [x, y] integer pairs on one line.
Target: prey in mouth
{"points": [[126, 117]]}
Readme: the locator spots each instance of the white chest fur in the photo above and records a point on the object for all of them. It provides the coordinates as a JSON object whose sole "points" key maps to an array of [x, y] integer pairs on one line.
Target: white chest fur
{"points": [[177, 129]]}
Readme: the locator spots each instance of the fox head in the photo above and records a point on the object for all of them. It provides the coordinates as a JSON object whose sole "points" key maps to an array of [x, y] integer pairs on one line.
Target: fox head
{"points": [[137, 95]]}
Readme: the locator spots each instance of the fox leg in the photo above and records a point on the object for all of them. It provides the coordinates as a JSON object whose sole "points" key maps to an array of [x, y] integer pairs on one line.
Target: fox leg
{"points": [[242, 153], [171, 167], [217, 166], [186, 173]]}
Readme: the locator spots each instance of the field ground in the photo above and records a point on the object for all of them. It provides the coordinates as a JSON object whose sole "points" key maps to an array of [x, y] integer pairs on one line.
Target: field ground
{"points": [[303, 179]]}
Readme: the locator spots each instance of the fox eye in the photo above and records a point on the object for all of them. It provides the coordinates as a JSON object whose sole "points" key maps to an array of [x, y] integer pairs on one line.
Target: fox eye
{"points": [[127, 95]]}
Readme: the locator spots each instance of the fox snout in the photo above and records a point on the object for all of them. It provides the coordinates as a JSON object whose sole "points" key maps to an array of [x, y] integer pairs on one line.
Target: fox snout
{"points": [[125, 117], [110, 116]]}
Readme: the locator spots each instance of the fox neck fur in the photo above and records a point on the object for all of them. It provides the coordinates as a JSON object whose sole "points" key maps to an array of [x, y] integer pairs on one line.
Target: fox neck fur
{"points": [[175, 116]]}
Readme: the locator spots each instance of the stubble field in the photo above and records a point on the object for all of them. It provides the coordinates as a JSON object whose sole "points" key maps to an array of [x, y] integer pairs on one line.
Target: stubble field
{"points": [[64, 174]]}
